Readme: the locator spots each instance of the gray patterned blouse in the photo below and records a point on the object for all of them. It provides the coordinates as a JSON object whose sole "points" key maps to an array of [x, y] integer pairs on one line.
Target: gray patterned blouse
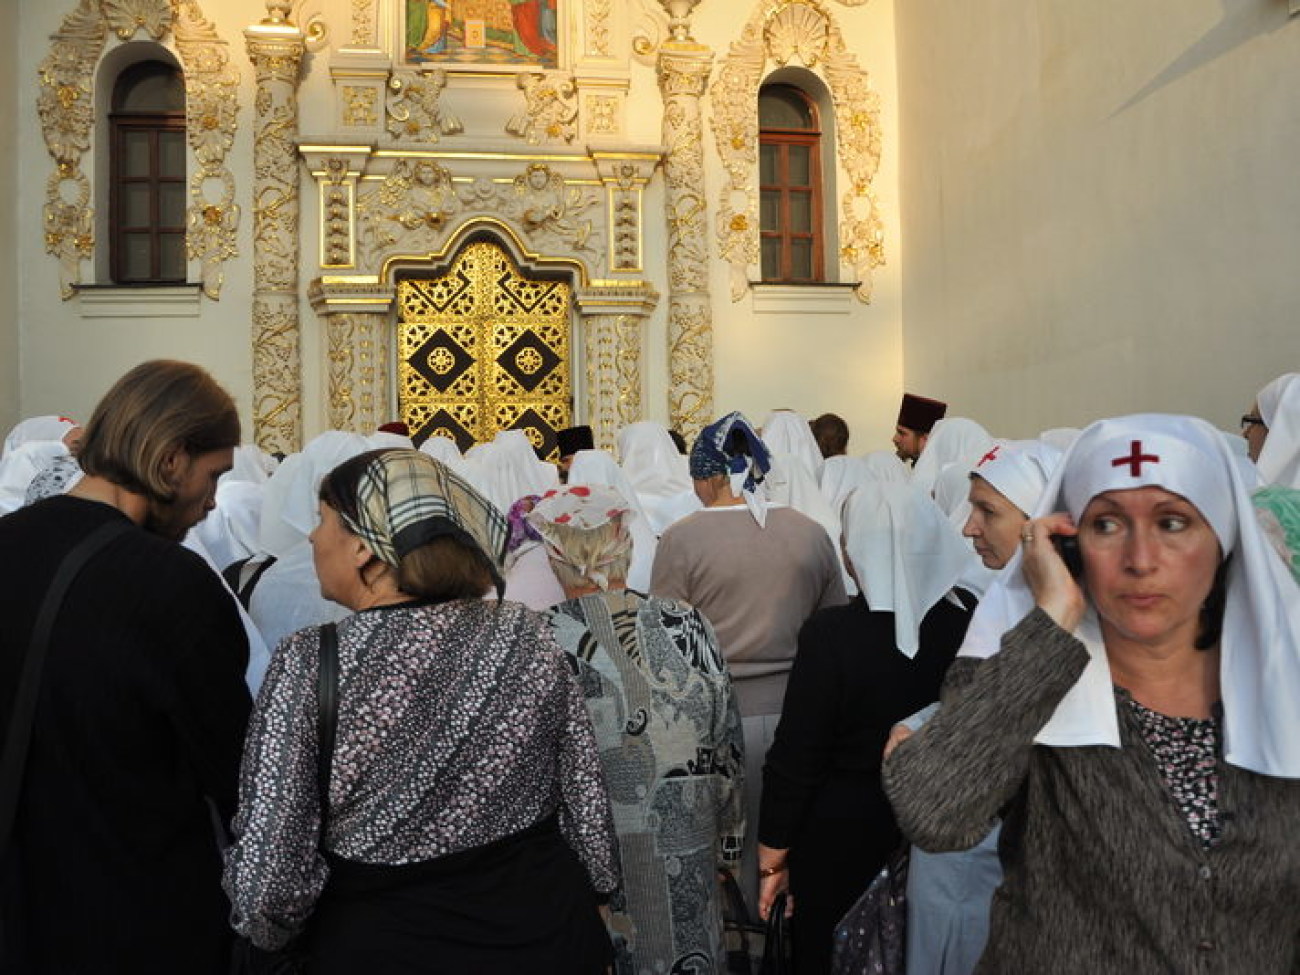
{"points": [[459, 724]]}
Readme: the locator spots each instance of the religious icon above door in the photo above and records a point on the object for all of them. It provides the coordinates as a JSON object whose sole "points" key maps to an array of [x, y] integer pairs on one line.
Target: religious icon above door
{"points": [[482, 32], [484, 348]]}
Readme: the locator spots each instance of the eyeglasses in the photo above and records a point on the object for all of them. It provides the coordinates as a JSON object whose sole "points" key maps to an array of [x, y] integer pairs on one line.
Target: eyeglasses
{"points": [[1250, 419]]}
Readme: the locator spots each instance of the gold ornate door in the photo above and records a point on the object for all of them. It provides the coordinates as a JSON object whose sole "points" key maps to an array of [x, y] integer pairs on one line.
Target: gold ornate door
{"points": [[483, 349]]}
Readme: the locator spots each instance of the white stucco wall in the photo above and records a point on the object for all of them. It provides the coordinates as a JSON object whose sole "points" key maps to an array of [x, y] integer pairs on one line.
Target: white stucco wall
{"points": [[1100, 210], [848, 363]]}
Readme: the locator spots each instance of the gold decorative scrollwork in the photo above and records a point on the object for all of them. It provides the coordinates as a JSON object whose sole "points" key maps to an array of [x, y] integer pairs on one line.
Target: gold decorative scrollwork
{"points": [[414, 112], [781, 30], [598, 17], [125, 17]]}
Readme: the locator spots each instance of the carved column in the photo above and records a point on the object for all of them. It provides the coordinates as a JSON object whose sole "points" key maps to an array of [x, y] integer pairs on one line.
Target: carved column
{"points": [[613, 324], [275, 47], [358, 332], [683, 70]]}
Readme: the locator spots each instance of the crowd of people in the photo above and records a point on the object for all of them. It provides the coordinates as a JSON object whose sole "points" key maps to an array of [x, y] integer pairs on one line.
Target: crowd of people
{"points": [[386, 707]]}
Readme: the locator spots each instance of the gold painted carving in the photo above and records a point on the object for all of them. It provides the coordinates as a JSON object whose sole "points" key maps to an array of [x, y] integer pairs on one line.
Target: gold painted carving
{"points": [[782, 30], [613, 328], [408, 211], [67, 116], [598, 34], [550, 109], [211, 103], [414, 114], [623, 186], [602, 115], [276, 52], [340, 331], [125, 17], [683, 73], [363, 27], [360, 105], [66, 112], [336, 215], [358, 370]]}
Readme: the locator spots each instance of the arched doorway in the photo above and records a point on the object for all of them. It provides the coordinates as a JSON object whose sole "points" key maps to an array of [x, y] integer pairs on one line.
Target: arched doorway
{"points": [[483, 348]]}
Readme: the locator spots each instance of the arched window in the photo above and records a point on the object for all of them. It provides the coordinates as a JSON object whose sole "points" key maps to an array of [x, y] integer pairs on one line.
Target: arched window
{"points": [[147, 175], [790, 202]]}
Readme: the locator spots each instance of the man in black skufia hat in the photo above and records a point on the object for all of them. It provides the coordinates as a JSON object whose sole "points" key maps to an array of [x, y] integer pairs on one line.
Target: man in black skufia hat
{"points": [[916, 418], [569, 441]]}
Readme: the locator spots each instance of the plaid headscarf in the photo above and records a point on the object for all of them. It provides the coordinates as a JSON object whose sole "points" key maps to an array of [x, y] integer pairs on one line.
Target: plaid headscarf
{"points": [[730, 446], [406, 499]]}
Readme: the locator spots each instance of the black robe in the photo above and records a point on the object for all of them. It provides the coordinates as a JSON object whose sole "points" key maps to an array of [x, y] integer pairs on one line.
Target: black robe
{"points": [[138, 732], [822, 794]]}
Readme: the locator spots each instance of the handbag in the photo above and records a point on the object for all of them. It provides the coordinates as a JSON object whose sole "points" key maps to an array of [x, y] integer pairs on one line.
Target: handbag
{"points": [[871, 939], [753, 947], [292, 959]]}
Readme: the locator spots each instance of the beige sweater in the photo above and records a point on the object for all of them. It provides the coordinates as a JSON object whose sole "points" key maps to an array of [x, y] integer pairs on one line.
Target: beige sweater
{"points": [[755, 585]]}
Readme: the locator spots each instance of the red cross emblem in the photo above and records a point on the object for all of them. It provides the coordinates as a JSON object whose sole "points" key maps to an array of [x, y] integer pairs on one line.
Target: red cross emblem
{"points": [[1136, 459], [989, 456]]}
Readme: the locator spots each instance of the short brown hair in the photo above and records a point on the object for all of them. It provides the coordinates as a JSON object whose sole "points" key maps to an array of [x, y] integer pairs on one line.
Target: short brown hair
{"points": [[831, 433], [156, 407]]}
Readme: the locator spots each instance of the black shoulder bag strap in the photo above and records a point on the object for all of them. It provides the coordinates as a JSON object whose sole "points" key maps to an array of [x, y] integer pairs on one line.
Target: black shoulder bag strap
{"points": [[327, 717], [19, 736]]}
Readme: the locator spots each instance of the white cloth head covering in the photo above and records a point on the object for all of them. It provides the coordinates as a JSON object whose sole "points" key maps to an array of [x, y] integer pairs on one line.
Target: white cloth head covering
{"points": [[790, 484], [841, 475], [788, 432], [1019, 470], [259, 657], [1279, 406], [954, 439], [287, 597], [1260, 645], [248, 465], [38, 428], [885, 465], [507, 469], [232, 529], [1059, 437], [597, 467], [384, 438], [444, 449], [289, 508], [905, 553], [658, 474], [19, 466]]}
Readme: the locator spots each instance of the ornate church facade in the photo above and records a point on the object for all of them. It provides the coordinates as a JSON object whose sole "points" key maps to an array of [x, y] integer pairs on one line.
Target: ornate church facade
{"points": [[467, 214]]}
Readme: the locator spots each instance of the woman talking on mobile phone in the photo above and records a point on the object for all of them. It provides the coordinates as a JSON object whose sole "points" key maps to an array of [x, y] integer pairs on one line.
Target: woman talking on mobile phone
{"points": [[1134, 727]]}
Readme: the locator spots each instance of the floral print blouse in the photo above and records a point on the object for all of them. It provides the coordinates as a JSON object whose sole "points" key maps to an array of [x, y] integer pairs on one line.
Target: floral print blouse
{"points": [[459, 724]]}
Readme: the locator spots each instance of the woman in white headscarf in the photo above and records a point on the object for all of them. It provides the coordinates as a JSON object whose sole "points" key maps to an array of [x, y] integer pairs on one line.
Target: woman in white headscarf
{"points": [[1135, 725], [787, 432], [507, 469], [825, 826], [954, 440], [657, 472], [1272, 431]]}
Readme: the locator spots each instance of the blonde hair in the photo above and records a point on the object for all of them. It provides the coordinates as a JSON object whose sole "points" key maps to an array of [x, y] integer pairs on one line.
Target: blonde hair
{"points": [[579, 555], [151, 411]]}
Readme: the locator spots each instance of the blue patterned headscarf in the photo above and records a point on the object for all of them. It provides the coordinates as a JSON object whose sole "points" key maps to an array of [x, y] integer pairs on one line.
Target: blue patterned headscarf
{"points": [[731, 447]]}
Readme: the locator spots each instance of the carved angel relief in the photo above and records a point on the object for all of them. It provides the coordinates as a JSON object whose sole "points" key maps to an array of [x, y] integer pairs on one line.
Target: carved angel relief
{"points": [[550, 109], [408, 211]]}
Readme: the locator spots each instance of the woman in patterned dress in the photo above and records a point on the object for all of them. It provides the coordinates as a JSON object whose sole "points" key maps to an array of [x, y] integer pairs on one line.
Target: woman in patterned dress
{"points": [[467, 826], [659, 695]]}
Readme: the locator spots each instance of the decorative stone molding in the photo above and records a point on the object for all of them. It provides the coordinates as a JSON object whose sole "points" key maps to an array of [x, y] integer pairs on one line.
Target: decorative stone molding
{"points": [[781, 31], [65, 107], [337, 170], [414, 112], [614, 318], [276, 47], [363, 23], [683, 70], [410, 211], [625, 176], [550, 109], [596, 29], [360, 93]]}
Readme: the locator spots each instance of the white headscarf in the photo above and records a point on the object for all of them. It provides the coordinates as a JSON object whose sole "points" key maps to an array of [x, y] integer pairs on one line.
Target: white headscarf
{"points": [[905, 553], [507, 469], [658, 473], [289, 507], [597, 467], [1260, 644], [1019, 470], [884, 465], [19, 466], [790, 484], [954, 439], [444, 449], [841, 475], [232, 529], [38, 428], [1279, 406], [787, 432]]}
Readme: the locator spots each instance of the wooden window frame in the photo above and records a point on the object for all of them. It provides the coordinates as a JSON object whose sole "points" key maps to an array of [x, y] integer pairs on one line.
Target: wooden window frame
{"points": [[783, 139], [153, 124]]}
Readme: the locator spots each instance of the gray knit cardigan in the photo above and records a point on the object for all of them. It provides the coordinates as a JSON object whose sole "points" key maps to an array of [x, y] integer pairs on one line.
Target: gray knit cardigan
{"points": [[1102, 872]]}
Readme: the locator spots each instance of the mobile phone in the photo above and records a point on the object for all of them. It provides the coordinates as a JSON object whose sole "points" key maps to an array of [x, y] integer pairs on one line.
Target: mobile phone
{"points": [[1067, 546]]}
